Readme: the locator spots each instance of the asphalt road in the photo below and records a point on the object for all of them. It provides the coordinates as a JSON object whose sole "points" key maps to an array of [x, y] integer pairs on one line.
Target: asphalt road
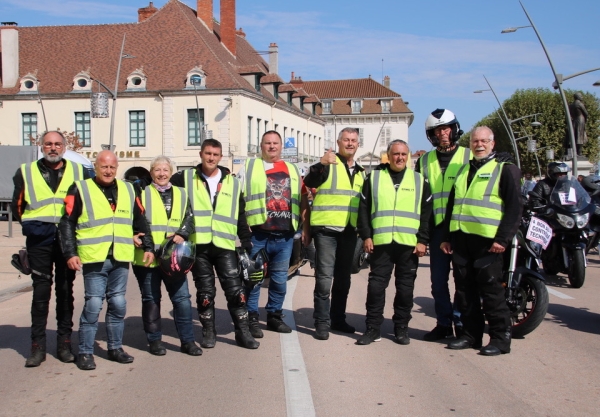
{"points": [[555, 371]]}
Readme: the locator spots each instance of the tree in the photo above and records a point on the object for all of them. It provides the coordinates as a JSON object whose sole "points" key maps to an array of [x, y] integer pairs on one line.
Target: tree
{"points": [[73, 141], [552, 133]]}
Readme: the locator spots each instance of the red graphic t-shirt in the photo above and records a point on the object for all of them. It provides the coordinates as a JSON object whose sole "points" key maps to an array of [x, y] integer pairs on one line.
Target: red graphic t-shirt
{"points": [[279, 198]]}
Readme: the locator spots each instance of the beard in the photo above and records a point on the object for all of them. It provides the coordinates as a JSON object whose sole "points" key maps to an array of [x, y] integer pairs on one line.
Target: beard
{"points": [[53, 159]]}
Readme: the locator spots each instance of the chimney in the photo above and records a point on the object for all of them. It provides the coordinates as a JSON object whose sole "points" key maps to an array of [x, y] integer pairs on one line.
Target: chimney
{"points": [[9, 38], [204, 11], [386, 81], [146, 12], [228, 24], [273, 59]]}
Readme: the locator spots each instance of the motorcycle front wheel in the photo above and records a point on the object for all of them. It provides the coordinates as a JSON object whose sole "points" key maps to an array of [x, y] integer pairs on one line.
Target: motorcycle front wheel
{"points": [[577, 269], [530, 306]]}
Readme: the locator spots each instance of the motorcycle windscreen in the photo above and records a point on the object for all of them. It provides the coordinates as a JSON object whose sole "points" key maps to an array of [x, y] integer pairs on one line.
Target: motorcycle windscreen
{"points": [[569, 195]]}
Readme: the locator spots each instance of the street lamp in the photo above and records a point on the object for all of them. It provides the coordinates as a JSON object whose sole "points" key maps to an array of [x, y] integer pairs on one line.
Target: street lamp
{"points": [[511, 134], [558, 83], [196, 80], [114, 94]]}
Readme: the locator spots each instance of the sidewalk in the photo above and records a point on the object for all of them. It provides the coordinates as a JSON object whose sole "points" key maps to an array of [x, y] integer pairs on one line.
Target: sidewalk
{"points": [[10, 279]]}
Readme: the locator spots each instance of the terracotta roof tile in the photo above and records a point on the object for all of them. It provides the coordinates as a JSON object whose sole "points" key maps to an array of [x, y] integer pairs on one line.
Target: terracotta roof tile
{"points": [[355, 88], [271, 78], [285, 88], [167, 45]]}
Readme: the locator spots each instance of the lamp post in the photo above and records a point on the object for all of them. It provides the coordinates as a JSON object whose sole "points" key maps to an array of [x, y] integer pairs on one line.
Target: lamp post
{"points": [[114, 94], [511, 134], [196, 80], [558, 82]]}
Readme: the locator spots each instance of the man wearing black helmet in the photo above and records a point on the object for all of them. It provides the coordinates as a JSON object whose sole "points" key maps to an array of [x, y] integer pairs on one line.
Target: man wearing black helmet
{"points": [[440, 167], [541, 192]]}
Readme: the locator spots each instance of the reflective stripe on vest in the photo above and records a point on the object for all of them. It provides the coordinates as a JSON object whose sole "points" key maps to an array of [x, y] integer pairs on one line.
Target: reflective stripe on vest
{"points": [[441, 184], [478, 208], [156, 214], [99, 227], [42, 204], [336, 201], [255, 190], [396, 213], [218, 226]]}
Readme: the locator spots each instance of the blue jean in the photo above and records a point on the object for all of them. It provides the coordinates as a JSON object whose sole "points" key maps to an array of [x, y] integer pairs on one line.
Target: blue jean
{"points": [[150, 280], [279, 250], [101, 280], [334, 252], [439, 265]]}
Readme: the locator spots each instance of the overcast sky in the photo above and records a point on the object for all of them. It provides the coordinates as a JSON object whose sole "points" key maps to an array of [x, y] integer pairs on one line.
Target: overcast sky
{"points": [[436, 52]]}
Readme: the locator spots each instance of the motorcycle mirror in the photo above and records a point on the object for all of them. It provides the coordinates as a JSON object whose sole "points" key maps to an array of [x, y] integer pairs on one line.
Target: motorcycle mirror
{"points": [[549, 212]]}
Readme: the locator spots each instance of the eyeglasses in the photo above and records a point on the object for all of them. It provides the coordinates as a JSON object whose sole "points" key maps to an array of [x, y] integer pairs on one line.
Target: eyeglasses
{"points": [[57, 145], [483, 141]]}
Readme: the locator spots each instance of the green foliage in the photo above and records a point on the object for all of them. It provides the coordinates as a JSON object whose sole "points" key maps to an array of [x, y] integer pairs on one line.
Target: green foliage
{"points": [[552, 133]]}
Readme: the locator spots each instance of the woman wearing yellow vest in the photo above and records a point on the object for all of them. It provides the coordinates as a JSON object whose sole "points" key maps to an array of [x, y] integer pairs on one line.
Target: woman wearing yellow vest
{"points": [[168, 212]]}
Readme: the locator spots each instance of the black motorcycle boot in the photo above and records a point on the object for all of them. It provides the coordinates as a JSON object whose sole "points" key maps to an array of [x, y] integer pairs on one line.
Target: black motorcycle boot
{"points": [[38, 354], [253, 322], [209, 332], [243, 337], [275, 322], [64, 352]]}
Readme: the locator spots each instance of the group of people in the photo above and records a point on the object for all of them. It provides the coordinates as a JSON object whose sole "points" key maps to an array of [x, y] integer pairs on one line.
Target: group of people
{"points": [[463, 203]]}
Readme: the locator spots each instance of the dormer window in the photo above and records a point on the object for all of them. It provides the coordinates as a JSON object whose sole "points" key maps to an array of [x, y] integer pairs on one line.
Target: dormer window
{"points": [[386, 106], [196, 78], [136, 81], [29, 84], [327, 107], [82, 83], [356, 106]]}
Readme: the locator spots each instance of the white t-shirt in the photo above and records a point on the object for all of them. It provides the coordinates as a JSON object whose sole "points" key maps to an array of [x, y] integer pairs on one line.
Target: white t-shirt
{"points": [[213, 183]]}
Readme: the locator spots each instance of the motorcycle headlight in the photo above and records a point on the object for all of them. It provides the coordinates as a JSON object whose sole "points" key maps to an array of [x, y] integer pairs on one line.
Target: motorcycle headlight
{"points": [[582, 220], [565, 221]]}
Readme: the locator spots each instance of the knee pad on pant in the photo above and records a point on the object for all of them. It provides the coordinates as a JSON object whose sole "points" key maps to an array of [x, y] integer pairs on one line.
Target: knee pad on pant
{"points": [[237, 298], [205, 302], [117, 306]]}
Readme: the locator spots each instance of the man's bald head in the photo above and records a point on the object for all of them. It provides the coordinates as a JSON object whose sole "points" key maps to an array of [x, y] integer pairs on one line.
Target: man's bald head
{"points": [[106, 167]]}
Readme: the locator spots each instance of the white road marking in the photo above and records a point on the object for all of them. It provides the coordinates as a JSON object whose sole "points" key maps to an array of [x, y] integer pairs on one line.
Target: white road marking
{"points": [[559, 294], [298, 396]]}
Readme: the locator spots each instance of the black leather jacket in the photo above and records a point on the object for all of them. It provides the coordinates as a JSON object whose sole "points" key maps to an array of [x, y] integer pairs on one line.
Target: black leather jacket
{"points": [[541, 192]]}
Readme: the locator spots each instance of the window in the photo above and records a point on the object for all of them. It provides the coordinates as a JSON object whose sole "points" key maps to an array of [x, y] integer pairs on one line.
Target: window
{"points": [[361, 137], [82, 128], [289, 100], [249, 132], [386, 106], [276, 91], [137, 128], [257, 82], [258, 131], [284, 132], [301, 103], [356, 105], [195, 127], [266, 125], [386, 137], [327, 107], [276, 127], [29, 128]]}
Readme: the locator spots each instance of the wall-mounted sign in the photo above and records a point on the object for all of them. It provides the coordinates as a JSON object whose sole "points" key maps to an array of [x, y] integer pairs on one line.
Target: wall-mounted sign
{"points": [[120, 154]]}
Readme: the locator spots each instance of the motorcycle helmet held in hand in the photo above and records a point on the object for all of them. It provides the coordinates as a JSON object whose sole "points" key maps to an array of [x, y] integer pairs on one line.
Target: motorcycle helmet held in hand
{"points": [[176, 259], [442, 117], [557, 168], [252, 270]]}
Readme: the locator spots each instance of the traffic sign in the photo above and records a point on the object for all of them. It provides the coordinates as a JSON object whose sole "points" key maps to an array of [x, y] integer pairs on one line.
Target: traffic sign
{"points": [[289, 152]]}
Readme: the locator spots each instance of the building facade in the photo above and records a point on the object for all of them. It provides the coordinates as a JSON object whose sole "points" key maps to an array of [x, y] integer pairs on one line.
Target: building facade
{"points": [[184, 77]]}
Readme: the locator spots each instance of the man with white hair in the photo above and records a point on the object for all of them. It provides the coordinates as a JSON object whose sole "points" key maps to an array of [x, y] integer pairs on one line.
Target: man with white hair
{"points": [[484, 211]]}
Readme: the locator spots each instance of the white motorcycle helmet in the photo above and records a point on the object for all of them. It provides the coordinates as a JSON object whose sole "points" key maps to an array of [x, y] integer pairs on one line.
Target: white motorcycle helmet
{"points": [[442, 117]]}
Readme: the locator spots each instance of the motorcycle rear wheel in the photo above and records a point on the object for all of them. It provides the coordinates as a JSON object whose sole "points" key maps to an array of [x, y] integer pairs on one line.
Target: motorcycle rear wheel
{"points": [[532, 306], [577, 269]]}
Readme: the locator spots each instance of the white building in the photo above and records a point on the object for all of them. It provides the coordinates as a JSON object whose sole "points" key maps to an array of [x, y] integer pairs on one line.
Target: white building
{"points": [[239, 95], [379, 113]]}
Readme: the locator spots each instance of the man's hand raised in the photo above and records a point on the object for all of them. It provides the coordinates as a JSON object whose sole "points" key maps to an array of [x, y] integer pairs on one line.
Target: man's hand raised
{"points": [[329, 158]]}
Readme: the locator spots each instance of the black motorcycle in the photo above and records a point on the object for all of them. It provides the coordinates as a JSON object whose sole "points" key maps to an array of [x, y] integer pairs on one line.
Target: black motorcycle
{"points": [[568, 212], [526, 292]]}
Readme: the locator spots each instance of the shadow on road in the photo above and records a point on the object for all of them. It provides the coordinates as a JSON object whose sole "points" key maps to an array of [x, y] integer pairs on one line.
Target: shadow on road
{"points": [[575, 318]]}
